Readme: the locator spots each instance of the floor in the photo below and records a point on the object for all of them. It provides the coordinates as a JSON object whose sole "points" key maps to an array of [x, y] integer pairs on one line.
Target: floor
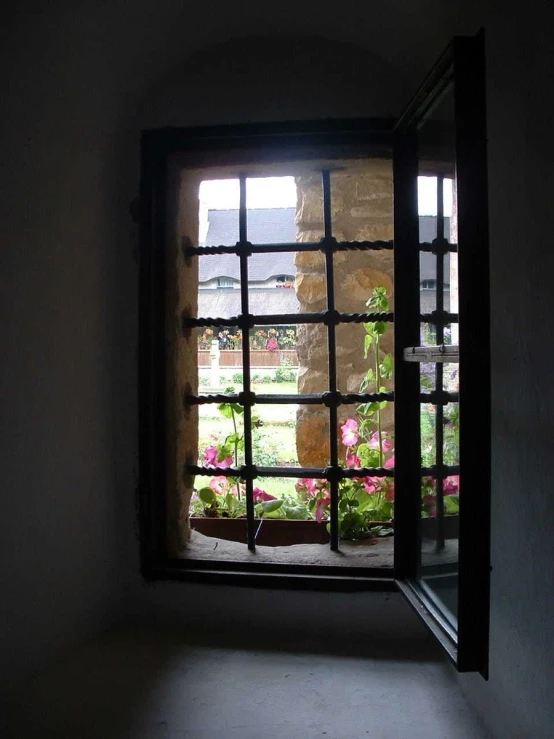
{"points": [[144, 684]]}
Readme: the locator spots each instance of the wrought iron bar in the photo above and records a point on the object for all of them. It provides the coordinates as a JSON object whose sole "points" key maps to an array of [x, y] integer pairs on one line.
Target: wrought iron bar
{"points": [[243, 248], [332, 359], [269, 399], [253, 472], [443, 471], [435, 316], [284, 319], [439, 369], [190, 251], [440, 245], [432, 247], [433, 398]]}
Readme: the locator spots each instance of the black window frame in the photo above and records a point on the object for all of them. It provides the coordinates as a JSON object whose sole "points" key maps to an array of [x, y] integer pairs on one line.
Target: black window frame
{"points": [[291, 141]]}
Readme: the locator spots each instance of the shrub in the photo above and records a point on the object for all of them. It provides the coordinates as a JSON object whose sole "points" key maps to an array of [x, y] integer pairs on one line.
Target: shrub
{"points": [[283, 374]]}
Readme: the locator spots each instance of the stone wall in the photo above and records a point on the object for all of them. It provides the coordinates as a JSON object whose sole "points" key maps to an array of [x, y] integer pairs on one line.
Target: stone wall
{"points": [[361, 206], [182, 360]]}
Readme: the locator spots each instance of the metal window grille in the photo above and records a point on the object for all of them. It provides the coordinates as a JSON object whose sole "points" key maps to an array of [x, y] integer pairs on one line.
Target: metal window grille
{"points": [[331, 399], [439, 319]]}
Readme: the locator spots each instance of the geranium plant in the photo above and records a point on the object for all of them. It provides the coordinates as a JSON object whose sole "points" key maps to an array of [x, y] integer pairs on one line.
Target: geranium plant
{"points": [[362, 500], [224, 496]]}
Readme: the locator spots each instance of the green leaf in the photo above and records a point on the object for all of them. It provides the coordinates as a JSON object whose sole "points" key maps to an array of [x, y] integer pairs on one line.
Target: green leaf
{"points": [[268, 506], [237, 408], [207, 496], [451, 504], [225, 410], [225, 450]]}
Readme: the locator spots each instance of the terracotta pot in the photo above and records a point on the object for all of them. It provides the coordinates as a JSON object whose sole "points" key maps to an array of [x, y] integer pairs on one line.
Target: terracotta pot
{"points": [[274, 532]]}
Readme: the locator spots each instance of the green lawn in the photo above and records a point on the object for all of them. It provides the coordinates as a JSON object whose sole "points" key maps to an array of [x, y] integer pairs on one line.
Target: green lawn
{"points": [[274, 441]]}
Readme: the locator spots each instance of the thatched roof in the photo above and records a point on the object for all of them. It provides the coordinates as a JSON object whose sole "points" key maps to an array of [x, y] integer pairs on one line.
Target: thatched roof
{"points": [[225, 302]]}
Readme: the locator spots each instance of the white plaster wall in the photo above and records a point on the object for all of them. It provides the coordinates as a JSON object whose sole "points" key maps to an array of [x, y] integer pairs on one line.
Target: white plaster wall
{"points": [[79, 82]]}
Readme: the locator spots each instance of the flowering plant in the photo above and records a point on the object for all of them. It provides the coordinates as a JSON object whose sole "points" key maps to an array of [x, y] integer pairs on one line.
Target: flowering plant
{"points": [[224, 496], [364, 499]]}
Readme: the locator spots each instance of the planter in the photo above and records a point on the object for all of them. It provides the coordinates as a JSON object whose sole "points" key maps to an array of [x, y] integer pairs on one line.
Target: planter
{"points": [[278, 532], [274, 532]]}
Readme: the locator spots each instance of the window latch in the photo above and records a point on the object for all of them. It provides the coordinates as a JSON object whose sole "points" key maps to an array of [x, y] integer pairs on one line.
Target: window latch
{"points": [[439, 353]]}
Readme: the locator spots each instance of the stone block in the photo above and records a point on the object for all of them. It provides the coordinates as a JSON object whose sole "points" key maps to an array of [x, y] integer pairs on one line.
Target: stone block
{"points": [[311, 289]]}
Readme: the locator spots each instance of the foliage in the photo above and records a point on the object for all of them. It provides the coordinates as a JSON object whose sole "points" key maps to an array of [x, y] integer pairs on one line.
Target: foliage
{"points": [[225, 495], [283, 374], [273, 338], [365, 498]]}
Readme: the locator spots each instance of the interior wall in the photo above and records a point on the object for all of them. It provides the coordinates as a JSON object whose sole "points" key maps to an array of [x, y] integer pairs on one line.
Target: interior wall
{"points": [[79, 82], [517, 701]]}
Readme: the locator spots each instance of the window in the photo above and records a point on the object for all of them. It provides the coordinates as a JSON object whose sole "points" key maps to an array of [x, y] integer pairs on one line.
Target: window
{"points": [[428, 284], [226, 282], [441, 136]]}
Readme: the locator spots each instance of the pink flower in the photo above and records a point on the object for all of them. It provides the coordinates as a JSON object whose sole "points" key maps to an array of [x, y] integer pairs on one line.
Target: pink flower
{"points": [[350, 432], [451, 484], [374, 442], [260, 495], [369, 485], [352, 460], [389, 494], [321, 506], [219, 485], [307, 485], [211, 458], [389, 464], [210, 455]]}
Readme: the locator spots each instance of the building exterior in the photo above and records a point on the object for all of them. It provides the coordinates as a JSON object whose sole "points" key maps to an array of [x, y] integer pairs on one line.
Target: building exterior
{"points": [[271, 280]]}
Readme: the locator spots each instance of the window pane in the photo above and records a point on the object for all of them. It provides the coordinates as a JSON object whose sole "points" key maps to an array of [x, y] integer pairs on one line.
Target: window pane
{"points": [[438, 570], [274, 436], [361, 201], [271, 212], [218, 212], [218, 285]]}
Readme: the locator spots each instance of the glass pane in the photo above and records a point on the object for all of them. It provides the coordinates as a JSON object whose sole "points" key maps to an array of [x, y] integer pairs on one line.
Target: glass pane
{"points": [[428, 435], [218, 285], [218, 212], [438, 570], [361, 210], [451, 434], [271, 212], [281, 433], [289, 359], [439, 545], [219, 359]]}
